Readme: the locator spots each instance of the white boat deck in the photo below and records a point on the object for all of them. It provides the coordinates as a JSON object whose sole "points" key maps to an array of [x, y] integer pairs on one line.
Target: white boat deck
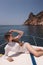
{"points": [[22, 59]]}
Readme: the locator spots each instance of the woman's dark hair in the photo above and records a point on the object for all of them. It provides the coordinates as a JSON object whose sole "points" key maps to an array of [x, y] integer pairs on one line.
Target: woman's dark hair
{"points": [[7, 35]]}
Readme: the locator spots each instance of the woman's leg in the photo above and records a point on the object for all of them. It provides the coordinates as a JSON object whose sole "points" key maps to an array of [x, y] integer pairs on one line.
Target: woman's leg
{"points": [[38, 49], [33, 51]]}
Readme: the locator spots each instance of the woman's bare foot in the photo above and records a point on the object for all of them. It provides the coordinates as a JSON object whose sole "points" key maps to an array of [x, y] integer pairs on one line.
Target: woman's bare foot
{"points": [[39, 49], [10, 59]]}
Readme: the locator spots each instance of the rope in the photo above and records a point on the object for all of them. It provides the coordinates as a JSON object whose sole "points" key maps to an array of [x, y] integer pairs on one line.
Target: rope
{"points": [[34, 41]]}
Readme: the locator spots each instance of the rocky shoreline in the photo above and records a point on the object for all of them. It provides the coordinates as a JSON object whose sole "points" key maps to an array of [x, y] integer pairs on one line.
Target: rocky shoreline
{"points": [[34, 19]]}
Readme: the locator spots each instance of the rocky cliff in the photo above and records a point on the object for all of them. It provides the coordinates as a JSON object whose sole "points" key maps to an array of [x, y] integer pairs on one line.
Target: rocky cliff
{"points": [[34, 19]]}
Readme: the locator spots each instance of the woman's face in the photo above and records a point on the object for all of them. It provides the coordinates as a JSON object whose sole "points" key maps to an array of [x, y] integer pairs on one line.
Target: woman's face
{"points": [[11, 37]]}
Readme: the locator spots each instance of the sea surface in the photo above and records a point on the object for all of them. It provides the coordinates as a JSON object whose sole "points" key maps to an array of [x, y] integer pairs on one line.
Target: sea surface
{"points": [[32, 34]]}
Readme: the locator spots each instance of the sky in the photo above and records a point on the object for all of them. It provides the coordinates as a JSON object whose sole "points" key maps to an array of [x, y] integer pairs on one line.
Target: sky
{"points": [[15, 12]]}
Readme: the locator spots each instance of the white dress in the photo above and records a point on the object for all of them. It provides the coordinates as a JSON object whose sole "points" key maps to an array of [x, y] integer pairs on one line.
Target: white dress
{"points": [[15, 47]]}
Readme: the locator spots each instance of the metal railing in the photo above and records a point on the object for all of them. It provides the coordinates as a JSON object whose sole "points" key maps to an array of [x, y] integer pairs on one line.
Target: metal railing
{"points": [[27, 35], [34, 38]]}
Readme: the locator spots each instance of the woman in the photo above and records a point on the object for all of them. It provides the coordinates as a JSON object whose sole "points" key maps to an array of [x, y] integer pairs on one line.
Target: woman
{"points": [[16, 46]]}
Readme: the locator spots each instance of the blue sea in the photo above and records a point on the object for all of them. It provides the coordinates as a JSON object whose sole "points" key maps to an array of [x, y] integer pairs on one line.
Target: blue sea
{"points": [[32, 34]]}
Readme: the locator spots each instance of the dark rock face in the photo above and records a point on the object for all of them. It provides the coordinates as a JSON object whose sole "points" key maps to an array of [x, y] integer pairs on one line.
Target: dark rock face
{"points": [[34, 19]]}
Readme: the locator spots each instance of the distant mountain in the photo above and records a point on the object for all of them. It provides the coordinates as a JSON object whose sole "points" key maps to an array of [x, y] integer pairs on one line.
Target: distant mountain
{"points": [[34, 19]]}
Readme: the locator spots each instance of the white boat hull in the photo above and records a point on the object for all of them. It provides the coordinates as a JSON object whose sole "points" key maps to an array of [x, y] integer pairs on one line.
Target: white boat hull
{"points": [[22, 59]]}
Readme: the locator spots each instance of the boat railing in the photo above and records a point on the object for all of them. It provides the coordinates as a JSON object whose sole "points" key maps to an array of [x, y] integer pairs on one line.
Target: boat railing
{"points": [[34, 38], [26, 35]]}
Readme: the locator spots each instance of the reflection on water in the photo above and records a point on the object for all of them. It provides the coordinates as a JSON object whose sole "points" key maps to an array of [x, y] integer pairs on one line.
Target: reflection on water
{"points": [[36, 31]]}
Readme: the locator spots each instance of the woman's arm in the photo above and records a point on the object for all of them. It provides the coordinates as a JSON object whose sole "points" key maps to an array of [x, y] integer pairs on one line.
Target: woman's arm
{"points": [[6, 50], [19, 35], [33, 51], [7, 57]]}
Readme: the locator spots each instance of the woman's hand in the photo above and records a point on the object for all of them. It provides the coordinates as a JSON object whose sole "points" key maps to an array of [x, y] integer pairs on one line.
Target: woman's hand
{"points": [[10, 59], [19, 35], [11, 30]]}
